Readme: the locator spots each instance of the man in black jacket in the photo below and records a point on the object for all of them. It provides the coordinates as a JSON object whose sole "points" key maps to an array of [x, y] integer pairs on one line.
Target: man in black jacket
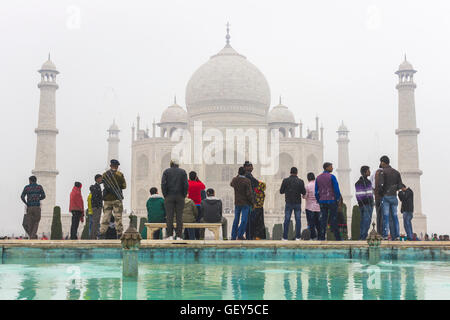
{"points": [[248, 166], [293, 188], [211, 208], [174, 186], [406, 196], [97, 205]]}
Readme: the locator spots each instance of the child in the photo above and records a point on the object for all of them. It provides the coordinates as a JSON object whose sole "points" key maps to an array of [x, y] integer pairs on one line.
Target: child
{"points": [[156, 212], [406, 196]]}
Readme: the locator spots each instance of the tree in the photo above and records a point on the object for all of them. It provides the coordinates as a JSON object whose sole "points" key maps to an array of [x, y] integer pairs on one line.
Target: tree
{"points": [[356, 222], [56, 229], [142, 228], [277, 231]]}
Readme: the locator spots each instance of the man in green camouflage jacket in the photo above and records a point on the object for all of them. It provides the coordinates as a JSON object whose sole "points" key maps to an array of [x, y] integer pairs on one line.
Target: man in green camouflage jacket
{"points": [[114, 183]]}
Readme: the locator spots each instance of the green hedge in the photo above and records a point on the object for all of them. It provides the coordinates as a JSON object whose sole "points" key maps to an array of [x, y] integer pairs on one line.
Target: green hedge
{"points": [[56, 229]]}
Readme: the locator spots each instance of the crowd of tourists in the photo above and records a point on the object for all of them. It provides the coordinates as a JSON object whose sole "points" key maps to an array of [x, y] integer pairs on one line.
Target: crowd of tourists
{"points": [[186, 199]]}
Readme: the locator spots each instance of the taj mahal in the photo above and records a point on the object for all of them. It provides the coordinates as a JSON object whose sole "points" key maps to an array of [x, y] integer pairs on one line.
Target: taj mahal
{"points": [[229, 92]]}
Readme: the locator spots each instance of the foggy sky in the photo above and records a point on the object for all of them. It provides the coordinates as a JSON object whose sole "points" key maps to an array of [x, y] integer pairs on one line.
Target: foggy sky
{"points": [[334, 59]]}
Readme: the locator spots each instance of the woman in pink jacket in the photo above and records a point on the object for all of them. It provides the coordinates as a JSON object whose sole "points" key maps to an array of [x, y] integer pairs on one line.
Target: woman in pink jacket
{"points": [[312, 208], [77, 208]]}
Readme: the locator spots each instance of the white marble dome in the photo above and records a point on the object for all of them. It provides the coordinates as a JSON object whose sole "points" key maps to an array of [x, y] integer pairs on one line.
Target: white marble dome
{"points": [[280, 114], [405, 66], [48, 66], [228, 83], [174, 113]]}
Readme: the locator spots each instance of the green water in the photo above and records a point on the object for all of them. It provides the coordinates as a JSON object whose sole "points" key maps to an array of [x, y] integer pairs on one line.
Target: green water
{"points": [[234, 279]]}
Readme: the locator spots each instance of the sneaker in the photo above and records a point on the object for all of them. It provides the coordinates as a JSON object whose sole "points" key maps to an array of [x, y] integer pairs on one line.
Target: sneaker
{"points": [[297, 239], [284, 239], [169, 238]]}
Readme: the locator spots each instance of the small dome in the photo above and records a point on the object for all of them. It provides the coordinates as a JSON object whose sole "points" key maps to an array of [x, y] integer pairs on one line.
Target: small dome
{"points": [[405, 66], [174, 113], [280, 113], [114, 127], [48, 65], [342, 128]]}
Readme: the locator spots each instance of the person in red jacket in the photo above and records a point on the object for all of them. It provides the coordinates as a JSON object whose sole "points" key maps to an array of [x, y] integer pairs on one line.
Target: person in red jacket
{"points": [[77, 208], [195, 194]]}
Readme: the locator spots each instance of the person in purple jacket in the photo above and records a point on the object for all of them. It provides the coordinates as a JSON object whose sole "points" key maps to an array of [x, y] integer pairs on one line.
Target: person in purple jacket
{"points": [[327, 195], [364, 196]]}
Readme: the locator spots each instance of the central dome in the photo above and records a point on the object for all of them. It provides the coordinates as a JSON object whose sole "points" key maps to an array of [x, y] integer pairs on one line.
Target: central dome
{"points": [[228, 83]]}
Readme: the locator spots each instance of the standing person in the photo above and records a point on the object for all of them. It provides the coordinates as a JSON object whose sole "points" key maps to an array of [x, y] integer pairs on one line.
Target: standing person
{"points": [[312, 208], [156, 212], [212, 213], [406, 196], [389, 183], [190, 214], [258, 228], [113, 182], [364, 196], [32, 195], [243, 202], [327, 195], [76, 206], [195, 193], [293, 188], [374, 179], [96, 207], [174, 186], [248, 166]]}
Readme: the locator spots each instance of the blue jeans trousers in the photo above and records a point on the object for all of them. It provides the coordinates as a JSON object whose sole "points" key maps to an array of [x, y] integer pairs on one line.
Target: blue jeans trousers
{"points": [[331, 209], [407, 217], [238, 230], [313, 219], [297, 208], [389, 209], [366, 219]]}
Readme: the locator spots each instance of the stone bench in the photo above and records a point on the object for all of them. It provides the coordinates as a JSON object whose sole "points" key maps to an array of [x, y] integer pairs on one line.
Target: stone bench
{"points": [[214, 227]]}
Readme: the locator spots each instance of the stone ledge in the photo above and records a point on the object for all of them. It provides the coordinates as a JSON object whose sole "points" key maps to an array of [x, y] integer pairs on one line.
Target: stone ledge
{"points": [[220, 244]]}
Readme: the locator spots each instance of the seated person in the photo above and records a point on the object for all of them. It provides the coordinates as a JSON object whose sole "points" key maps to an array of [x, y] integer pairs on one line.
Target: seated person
{"points": [[156, 212], [190, 214], [211, 208]]}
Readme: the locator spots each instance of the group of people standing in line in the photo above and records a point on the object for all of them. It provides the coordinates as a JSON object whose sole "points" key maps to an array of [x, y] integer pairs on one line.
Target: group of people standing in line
{"points": [[187, 200], [109, 200]]}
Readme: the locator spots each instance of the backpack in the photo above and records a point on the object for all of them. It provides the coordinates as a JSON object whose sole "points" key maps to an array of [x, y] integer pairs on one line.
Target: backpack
{"points": [[306, 234]]}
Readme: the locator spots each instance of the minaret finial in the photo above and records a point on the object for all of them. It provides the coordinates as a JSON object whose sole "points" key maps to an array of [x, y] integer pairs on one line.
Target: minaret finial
{"points": [[49, 56], [280, 98], [228, 33], [405, 56]]}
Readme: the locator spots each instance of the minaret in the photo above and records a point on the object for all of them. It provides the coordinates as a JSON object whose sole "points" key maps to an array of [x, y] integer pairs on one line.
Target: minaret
{"points": [[45, 163], [343, 168], [113, 142], [408, 151]]}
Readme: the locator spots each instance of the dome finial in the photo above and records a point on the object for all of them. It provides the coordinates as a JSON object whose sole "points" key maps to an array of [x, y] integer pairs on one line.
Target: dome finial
{"points": [[175, 99], [49, 56], [228, 33], [280, 98]]}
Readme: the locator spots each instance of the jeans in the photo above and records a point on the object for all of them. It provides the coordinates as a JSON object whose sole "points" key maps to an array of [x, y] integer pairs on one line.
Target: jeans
{"points": [[296, 207], [190, 233], [389, 209], [325, 209], [407, 217], [313, 219], [379, 216], [76, 215], [239, 231], [366, 219]]}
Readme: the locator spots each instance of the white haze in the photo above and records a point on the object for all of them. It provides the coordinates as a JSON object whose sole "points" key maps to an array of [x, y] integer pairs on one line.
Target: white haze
{"points": [[332, 58]]}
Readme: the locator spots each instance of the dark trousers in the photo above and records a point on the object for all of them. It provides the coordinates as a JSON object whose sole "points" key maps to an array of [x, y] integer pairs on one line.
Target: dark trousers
{"points": [[257, 227], [174, 207], [31, 221], [313, 220], [331, 210], [297, 208], [94, 223], [379, 216], [76, 215], [199, 217]]}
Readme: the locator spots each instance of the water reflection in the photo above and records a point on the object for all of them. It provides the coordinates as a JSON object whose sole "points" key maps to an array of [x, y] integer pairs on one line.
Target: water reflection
{"points": [[237, 280]]}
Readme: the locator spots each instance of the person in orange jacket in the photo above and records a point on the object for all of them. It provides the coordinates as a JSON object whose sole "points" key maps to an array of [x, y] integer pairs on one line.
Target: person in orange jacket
{"points": [[77, 208]]}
